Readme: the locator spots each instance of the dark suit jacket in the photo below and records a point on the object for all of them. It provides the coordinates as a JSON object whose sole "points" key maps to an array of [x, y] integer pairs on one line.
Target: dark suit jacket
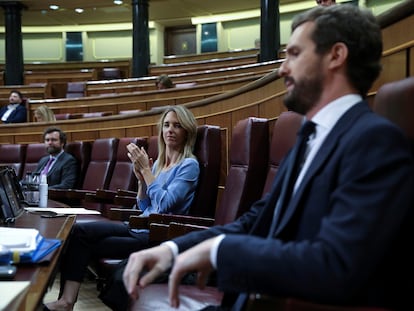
{"points": [[19, 115], [63, 174], [346, 236]]}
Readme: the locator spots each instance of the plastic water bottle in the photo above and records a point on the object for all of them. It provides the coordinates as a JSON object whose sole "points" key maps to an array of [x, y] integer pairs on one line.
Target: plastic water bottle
{"points": [[43, 190]]}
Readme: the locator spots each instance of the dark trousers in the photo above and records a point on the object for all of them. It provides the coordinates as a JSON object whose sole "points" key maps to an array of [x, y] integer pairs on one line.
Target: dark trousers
{"points": [[99, 239]]}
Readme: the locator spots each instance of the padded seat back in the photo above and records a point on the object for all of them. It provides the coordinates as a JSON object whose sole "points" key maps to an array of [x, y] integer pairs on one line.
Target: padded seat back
{"points": [[123, 176], [153, 147], [13, 155], [90, 114], [75, 89], [249, 152], [62, 116], [101, 165], [34, 152], [81, 150], [395, 102], [110, 73], [284, 136], [207, 150]]}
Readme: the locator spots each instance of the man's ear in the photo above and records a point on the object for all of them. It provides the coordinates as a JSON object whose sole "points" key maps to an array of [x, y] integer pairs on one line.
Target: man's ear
{"points": [[338, 55]]}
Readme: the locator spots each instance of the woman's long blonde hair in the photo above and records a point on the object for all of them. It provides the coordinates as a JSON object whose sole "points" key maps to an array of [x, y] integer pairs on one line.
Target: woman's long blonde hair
{"points": [[46, 113], [188, 123]]}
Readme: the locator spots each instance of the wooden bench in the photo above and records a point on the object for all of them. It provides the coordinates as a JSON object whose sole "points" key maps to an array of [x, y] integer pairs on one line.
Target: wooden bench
{"points": [[199, 77], [57, 80], [172, 59], [98, 66], [202, 65], [139, 100], [145, 85], [31, 91]]}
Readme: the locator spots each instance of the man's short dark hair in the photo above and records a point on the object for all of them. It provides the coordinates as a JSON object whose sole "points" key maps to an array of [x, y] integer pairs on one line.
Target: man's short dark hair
{"points": [[62, 134], [358, 29], [17, 92]]}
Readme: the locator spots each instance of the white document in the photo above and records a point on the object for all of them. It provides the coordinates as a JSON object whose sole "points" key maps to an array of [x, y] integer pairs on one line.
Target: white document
{"points": [[12, 291], [63, 211]]}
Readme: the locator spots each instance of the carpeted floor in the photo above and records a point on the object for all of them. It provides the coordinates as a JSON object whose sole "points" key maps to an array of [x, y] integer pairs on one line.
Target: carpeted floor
{"points": [[88, 296]]}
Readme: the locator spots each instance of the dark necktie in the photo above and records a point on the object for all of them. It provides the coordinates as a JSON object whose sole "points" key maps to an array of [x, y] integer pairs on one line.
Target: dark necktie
{"points": [[295, 162], [47, 166]]}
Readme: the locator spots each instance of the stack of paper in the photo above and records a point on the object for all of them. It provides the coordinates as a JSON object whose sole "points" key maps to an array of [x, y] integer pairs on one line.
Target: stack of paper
{"points": [[20, 245]]}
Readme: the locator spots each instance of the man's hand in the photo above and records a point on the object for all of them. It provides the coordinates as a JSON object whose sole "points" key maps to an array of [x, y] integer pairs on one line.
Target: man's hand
{"points": [[197, 259], [156, 260]]}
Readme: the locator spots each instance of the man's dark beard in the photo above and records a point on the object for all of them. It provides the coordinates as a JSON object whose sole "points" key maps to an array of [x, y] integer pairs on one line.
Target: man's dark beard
{"points": [[53, 150], [304, 95]]}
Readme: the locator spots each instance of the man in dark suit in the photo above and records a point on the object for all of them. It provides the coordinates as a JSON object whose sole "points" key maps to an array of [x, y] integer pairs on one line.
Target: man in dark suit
{"points": [[15, 111], [60, 167], [344, 235]]}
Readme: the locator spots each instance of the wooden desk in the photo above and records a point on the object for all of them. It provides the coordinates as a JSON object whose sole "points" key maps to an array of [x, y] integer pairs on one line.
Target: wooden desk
{"points": [[41, 276]]}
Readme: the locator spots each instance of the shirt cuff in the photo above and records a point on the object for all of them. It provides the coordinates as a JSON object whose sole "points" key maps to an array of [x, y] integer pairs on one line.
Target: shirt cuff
{"points": [[173, 247], [214, 250]]}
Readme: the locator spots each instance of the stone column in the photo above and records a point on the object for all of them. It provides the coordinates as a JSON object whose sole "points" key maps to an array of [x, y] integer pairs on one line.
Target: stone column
{"points": [[14, 43], [140, 38], [269, 30]]}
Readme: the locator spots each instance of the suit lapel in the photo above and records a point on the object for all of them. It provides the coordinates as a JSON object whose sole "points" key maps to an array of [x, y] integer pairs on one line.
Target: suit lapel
{"points": [[324, 153]]}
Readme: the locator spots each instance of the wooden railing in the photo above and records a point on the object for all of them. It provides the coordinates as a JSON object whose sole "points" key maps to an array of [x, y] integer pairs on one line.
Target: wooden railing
{"points": [[33, 91], [139, 100], [172, 59], [56, 81], [123, 65], [202, 65], [199, 77]]}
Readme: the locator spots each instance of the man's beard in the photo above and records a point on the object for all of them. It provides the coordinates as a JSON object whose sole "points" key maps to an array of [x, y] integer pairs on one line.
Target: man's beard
{"points": [[53, 150], [304, 95]]}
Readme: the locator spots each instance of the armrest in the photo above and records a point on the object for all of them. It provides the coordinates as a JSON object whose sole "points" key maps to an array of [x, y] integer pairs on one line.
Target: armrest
{"points": [[177, 229], [101, 196], [184, 219], [77, 193], [126, 193], [138, 222], [57, 194], [105, 194], [166, 226], [124, 200], [158, 232], [122, 214]]}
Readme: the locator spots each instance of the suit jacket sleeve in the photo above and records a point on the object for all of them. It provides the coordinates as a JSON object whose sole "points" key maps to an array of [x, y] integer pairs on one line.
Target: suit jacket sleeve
{"points": [[347, 238], [64, 173], [19, 115], [348, 234]]}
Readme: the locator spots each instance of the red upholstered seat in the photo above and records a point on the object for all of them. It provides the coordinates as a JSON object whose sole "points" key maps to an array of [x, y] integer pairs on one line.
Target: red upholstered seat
{"points": [[208, 141], [75, 89], [34, 152], [98, 173], [284, 136], [13, 155]]}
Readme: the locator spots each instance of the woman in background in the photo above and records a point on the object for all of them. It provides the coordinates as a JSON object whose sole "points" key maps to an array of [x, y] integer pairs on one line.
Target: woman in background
{"points": [[168, 186], [164, 82], [44, 114]]}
